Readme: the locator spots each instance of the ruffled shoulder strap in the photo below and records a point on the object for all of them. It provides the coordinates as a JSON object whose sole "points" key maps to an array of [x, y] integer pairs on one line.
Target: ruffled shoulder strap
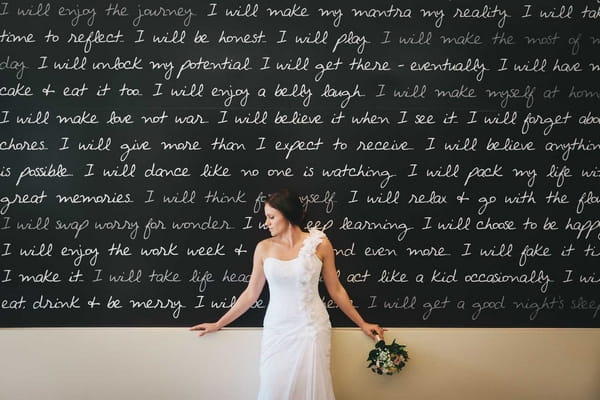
{"points": [[315, 236]]}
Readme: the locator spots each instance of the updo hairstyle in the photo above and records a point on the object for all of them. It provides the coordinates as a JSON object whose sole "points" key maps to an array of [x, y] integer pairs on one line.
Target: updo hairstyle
{"points": [[289, 204]]}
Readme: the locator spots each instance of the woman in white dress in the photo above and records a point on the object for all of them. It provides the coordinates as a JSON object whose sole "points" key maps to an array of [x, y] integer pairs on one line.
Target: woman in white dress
{"points": [[295, 348]]}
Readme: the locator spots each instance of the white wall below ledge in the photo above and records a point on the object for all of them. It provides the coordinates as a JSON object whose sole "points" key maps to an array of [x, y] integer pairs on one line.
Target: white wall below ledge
{"points": [[174, 364]]}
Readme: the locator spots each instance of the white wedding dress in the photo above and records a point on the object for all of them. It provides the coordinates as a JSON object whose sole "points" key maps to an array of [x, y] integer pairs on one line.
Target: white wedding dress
{"points": [[296, 342]]}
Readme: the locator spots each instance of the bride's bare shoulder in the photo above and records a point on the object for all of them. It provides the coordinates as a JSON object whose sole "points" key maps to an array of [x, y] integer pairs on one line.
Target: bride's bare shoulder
{"points": [[264, 246]]}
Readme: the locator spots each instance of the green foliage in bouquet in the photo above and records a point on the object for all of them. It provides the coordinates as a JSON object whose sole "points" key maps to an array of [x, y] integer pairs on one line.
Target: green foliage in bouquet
{"points": [[387, 359]]}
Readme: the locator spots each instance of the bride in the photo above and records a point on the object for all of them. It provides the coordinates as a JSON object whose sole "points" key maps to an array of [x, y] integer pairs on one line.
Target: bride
{"points": [[296, 341]]}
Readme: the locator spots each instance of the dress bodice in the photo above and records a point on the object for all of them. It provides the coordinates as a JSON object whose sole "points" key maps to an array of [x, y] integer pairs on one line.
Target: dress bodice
{"points": [[293, 286]]}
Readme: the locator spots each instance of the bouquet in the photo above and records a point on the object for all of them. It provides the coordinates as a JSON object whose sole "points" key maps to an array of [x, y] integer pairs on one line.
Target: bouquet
{"points": [[387, 359]]}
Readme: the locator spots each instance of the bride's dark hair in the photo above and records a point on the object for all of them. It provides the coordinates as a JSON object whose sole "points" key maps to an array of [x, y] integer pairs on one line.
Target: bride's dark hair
{"points": [[289, 204]]}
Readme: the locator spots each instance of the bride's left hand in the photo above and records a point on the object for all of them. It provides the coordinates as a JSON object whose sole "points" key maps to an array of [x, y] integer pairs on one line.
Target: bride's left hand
{"points": [[373, 330]]}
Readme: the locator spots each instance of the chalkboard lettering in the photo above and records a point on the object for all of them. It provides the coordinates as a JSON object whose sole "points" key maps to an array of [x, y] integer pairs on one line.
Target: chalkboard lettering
{"points": [[183, 14], [7, 202], [209, 224], [11, 37], [233, 277], [44, 303], [209, 251], [172, 304], [486, 12], [131, 276], [140, 141], [43, 277]]}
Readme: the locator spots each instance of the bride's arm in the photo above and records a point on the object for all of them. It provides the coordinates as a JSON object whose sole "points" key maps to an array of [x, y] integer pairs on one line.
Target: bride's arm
{"points": [[339, 294], [248, 297]]}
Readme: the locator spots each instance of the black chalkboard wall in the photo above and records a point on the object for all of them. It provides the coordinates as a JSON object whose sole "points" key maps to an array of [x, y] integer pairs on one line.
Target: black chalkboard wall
{"points": [[449, 149]]}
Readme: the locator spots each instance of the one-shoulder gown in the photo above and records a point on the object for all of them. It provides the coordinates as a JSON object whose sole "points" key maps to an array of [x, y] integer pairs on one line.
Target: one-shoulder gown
{"points": [[296, 341]]}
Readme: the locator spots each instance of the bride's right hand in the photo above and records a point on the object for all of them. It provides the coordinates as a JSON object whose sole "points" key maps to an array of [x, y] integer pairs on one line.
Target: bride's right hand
{"points": [[205, 328]]}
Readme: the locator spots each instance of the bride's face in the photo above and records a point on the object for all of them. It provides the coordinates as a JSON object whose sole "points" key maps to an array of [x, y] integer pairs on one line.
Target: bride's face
{"points": [[275, 221]]}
